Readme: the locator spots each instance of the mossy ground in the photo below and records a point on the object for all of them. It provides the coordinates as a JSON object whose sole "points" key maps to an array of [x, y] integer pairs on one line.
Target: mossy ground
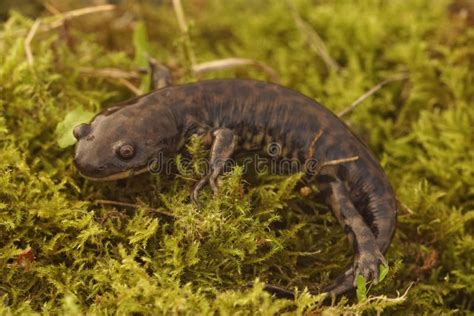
{"points": [[62, 253]]}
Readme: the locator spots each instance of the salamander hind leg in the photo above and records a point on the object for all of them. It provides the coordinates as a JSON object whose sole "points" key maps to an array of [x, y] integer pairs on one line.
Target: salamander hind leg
{"points": [[367, 257], [367, 254], [222, 149]]}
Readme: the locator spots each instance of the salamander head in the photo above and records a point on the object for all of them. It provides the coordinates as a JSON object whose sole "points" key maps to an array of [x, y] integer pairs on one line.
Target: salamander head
{"points": [[119, 144]]}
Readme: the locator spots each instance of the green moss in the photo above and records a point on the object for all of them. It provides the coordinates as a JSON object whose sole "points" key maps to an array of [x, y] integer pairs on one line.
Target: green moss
{"points": [[61, 252]]}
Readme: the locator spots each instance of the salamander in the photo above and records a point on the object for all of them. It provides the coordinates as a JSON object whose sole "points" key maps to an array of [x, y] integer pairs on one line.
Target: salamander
{"points": [[236, 116]]}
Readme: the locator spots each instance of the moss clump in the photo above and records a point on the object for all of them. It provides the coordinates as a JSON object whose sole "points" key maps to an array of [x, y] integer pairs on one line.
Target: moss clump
{"points": [[61, 252]]}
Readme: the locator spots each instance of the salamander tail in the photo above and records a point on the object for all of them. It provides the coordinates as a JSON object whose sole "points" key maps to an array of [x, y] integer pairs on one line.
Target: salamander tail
{"points": [[382, 224]]}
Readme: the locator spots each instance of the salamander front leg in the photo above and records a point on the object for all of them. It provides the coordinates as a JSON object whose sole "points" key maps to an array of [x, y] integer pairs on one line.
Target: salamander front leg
{"points": [[367, 254], [223, 146]]}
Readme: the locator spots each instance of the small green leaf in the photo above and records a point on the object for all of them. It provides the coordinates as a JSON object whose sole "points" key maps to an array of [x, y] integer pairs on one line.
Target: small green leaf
{"points": [[383, 271], [141, 44], [361, 288], [64, 128]]}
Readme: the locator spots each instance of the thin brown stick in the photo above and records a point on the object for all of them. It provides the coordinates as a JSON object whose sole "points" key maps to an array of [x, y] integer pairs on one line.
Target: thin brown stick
{"points": [[130, 86], [376, 88], [310, 151], [114, 74], [314, 40], [109, 73], [331, 163], [124, 204], [178, 9], [183, 26], [51, 9], [398, 299], [29, 38], [339, 161], [408, 209], [232, 62], [50, 23], [77, 13]]}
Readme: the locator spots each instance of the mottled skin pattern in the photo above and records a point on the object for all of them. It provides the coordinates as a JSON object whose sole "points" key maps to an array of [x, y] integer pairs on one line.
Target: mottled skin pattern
{"points": [[241, 115]]}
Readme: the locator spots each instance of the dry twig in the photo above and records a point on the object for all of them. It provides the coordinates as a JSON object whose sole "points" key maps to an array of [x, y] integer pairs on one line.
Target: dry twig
{"points": [[62, 17], [314, 40], [227, 63], [130, 86], [123, 77], [51, 9], [109, 73], [29, 38], [50, 23], [376, 88], [408, 209], [339, 161], [183, 26], [124, 204]]}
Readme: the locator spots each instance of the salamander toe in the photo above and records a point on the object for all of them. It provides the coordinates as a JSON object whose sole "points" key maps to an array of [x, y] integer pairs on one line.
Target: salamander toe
{"points": [[367, 265]]}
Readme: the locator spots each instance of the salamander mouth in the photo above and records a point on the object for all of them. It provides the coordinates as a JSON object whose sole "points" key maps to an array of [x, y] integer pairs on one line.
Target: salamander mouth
{"points": [[117, 176]]}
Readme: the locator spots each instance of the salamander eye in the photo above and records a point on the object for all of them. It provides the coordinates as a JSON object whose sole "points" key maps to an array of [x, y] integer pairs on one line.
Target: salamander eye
{"points": [[126, 151]]}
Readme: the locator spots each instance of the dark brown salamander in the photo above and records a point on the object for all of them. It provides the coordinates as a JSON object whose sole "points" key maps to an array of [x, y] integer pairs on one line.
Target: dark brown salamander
{"points": [[241, 115]]}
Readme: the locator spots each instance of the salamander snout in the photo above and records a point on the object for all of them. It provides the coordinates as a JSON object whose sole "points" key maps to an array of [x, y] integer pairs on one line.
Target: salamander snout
{"points": [[81, 131]]}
